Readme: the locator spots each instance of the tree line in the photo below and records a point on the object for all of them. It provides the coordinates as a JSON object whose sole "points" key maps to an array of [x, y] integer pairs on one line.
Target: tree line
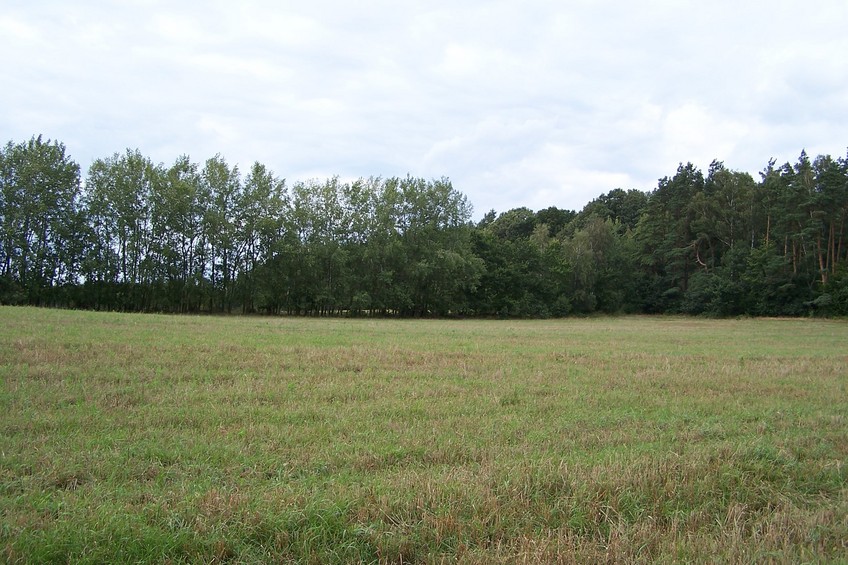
{"points": [[190, 237]]}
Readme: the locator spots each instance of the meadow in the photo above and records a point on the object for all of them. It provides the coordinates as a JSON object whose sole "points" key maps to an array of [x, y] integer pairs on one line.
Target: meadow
{"points": [[200, 439]]}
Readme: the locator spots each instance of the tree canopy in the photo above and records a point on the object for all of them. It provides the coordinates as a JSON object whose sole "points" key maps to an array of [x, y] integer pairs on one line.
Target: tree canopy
{"points": [[207, 237]]}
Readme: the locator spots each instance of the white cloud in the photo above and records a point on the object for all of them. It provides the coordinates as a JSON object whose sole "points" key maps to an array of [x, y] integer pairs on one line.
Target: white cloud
{"points": [[691, 133], [17, 31], [521, 104]]}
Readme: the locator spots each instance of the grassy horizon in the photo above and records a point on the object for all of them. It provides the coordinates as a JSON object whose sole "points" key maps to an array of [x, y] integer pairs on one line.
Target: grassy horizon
{"points": [[155, 438]]}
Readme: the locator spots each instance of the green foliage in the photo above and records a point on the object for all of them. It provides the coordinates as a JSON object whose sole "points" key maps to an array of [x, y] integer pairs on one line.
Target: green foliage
{"points": [[624, 208], [524, 269], [192, 238], [40, 221]]}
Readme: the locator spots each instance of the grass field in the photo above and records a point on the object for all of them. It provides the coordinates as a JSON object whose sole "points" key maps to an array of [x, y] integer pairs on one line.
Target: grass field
{"points": [[148, 438]]}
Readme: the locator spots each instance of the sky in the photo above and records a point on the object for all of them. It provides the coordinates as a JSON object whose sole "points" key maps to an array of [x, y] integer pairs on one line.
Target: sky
{"points": [[519, 103]]}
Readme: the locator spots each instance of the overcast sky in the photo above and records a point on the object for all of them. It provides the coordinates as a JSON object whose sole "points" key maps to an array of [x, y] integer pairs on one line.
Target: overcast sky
{"points": [[520, 103]]}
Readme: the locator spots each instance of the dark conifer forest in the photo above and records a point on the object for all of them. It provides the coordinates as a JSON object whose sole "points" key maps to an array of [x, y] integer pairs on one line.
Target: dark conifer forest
{"points": [[190, 237]]}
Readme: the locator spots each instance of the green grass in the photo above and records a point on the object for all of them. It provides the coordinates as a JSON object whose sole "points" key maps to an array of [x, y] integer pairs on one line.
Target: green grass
{"points": [[146, 438]]}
